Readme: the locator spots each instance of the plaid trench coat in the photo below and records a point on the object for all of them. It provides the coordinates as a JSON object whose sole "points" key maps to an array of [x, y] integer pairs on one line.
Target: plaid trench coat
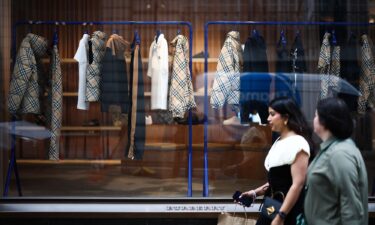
{"points": [[181, 97], [328, 64], [367, 76], [25, 90], [93, 75], [227, 79]]}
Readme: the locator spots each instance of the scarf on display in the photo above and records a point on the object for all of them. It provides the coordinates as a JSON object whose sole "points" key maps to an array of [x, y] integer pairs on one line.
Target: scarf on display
{"points": [[56, 104], [136, 118]]}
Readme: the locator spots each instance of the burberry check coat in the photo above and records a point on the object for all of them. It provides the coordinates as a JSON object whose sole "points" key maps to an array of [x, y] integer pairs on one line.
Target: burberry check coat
{"points": [[181, 96], [227, 79], [25, 91], [367, 76]]}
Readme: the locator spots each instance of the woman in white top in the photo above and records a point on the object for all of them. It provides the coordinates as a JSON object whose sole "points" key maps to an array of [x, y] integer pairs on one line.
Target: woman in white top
{"points": [[286, 161]]}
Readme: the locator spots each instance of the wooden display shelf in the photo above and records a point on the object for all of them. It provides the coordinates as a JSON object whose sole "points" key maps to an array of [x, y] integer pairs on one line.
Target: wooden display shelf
{"points": [[70, 161], [147, 94], [74, 94], [71, 60], [90, 128]]}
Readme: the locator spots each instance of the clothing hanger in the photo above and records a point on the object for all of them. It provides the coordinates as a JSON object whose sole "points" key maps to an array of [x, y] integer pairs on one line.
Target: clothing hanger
{"points": [[137, 39], [255, 33], [298, 33], [158, 32], [334, 41], [178, 31], [55, 35], [283, 39], [29, 29], [84, 27]]}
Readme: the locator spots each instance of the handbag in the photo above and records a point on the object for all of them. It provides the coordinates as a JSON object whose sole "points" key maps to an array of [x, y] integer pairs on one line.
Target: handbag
{"points": [[232, 219], [271, 206]]}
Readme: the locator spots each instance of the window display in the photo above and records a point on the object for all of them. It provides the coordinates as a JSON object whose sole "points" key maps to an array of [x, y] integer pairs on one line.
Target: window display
{"points": [[121, 107]]}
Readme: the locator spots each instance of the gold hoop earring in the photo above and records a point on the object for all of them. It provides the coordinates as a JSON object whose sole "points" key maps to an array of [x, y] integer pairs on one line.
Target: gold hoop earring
{"points": [[285, 122]]}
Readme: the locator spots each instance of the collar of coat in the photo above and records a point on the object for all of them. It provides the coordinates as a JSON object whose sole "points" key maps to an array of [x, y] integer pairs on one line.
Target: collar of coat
{"points": [[38, 44], [99, 35], [235, 35], [179, 40], [161, 36]]}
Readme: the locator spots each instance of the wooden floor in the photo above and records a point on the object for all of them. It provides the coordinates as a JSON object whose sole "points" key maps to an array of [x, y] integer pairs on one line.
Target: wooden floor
{"points": [[109, 178]]}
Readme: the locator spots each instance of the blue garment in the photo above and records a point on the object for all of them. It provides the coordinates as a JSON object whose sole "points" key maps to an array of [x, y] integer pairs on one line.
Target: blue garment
{"points": [[255, 91]]}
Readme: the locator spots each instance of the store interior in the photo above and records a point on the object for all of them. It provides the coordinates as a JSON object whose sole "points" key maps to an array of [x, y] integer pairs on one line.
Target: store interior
{"points": [[92, 159]]}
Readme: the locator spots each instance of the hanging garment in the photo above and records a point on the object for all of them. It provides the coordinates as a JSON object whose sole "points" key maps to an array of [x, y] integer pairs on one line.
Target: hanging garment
{"points": [[114, 80], [227, 79], [93, 76], [181, 96], [298, 55], [328, 64], [367, 76], [25, 90], [90, 55], [158, 72], [350, 70], [255, 54], [82, 58], [136, 118], [283, 64], [56, 104]]}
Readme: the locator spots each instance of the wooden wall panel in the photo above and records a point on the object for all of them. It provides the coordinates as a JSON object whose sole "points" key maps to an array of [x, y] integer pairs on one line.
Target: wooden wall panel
{"points": [[5, 36], [197, 12]]}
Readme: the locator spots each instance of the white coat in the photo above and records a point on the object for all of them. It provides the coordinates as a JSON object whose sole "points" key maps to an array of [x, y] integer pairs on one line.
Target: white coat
{"points": [[158, 71], [82, 57]]}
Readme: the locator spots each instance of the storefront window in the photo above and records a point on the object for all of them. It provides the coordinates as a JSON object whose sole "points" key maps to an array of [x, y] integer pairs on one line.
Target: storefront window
{"points": [[114, 98]]}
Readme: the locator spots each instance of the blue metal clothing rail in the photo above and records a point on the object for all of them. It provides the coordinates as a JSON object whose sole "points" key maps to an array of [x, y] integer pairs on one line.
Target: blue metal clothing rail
{"points": [[246, 23], [12, 161]]}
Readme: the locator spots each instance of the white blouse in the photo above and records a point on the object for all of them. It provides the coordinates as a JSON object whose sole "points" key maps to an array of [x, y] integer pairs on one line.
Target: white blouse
{"points": [[284, 151], [158, 71], [82, 57]]}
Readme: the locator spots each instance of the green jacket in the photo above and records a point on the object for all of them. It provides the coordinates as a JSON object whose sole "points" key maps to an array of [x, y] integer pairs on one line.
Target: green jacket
{"points": [[336, 186]]}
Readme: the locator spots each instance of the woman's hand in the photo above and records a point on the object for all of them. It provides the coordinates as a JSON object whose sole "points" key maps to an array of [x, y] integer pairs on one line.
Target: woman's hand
{"points": [[250, 193], [277, 221], [246, 198]]}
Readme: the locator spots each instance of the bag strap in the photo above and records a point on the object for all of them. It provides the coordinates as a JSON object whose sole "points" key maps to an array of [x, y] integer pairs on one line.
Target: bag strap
{"points": [[278, 193], [235, 213]]}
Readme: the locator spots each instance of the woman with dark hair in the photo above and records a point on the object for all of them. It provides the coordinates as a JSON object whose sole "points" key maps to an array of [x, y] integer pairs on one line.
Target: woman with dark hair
{"points": [[336, 186], [287, 160]]}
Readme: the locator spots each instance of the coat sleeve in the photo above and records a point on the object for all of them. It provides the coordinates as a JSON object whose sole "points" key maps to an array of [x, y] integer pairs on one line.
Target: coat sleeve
{"points": [[23, 69], [149, 68], [81, 53], [164, 59], [222, 85]]}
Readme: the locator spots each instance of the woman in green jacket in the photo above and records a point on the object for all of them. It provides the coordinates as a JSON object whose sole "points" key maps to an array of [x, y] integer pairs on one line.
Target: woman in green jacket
{"points": [[336, 187]]}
